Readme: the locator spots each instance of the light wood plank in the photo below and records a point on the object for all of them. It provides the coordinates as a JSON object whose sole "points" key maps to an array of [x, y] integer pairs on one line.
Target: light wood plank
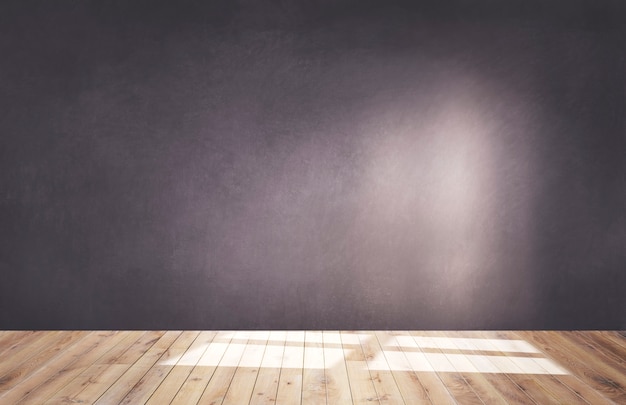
{"points": [[384, 382], [466, 365], [193, 388], [183, 367], [454, 382], [146, 386], [43, 351], [100, 384], [408, 382], [129, 379], [510, 380], [18, 340], [421, 367], [220, 381], [140, 347], [20, 352], [434, 387], [242, 385], [266, 385], [497, 369], [337, 382], [9, 337], [111, 372], [361, 384], [78, 384], [121, 348], [314, 374], [59, 370], [290, 388], [541, 388]]}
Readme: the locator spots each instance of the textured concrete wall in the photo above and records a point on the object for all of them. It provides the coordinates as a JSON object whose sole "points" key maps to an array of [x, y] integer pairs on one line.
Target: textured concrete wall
{"points": [[334, 164]]}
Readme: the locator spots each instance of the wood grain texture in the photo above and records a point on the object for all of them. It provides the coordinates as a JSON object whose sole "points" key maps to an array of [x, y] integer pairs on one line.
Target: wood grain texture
{"points": [[312, 367], [290, 386], [361, 384], [266, 385], [595, 383], [337, 381]]}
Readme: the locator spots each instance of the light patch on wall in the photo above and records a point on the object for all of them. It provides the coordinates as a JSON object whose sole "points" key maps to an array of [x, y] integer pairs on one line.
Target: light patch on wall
{"points": [[431, 174]]}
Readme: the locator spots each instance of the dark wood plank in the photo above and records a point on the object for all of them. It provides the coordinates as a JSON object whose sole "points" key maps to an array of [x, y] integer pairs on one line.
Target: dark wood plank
{"points": [[606, 350], [562, 354]]}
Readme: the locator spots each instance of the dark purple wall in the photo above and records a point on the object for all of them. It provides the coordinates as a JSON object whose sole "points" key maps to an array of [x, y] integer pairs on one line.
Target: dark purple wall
{"points": [[319, 164]]}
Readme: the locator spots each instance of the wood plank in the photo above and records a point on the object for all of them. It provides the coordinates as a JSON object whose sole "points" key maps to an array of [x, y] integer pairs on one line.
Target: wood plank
{"points": [[133, 375], [290, 385], [78, 384], [193, 388], [534, 375], [108, 374], [606, 370], [120, 349], [82, 363], [266, 385], [564, 387], [146, 386], [80, 367], [490, 389], [44, 351], [242, 385], [337, 383], [19, 350], [542, 388], [56, 372], [362, 387], [9, 337], [171, 385], [596, 384], [155, 367], [314, 373], [220, 381], [18, 340], [618, 337], [140, 347], [597, 354], [384, 382], [606, 345], [435, 389], [110, 371], [454, 382], [66, 394], [459, 389], [408, 382], [183, 367], [511, 381]]}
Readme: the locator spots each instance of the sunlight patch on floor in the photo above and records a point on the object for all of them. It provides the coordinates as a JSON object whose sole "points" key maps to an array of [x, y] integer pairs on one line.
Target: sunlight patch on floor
{"points": [[402, 352]]}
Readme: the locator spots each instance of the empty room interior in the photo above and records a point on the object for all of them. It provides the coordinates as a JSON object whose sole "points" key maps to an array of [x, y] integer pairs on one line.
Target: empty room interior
{"points": [[313, 202]]}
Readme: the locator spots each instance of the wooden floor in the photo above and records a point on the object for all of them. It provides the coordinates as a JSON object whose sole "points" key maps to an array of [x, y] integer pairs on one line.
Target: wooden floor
{"points": [[312, 367]]}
